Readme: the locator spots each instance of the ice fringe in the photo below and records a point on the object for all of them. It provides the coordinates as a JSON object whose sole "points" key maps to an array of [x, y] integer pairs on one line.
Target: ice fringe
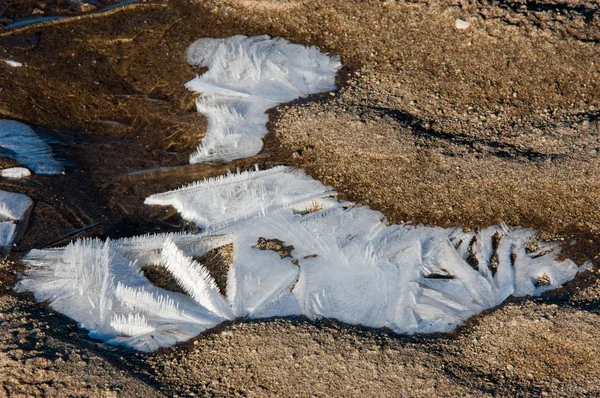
{"points": [[346, 263], [245, 77], [14, 209], [27, 148]]}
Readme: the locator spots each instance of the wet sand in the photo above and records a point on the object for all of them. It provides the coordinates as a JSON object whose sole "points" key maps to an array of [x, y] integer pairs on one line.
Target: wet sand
{"points": [[432, 125]]}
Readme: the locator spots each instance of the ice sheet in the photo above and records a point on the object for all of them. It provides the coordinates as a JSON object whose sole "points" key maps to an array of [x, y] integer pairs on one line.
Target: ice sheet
{"points": [[340, 261]]}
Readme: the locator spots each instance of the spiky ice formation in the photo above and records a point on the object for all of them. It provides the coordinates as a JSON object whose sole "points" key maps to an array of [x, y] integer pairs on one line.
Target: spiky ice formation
{"points": [[296, 251], [246, 76], [14, 209], [219, 201], [97, 285], [27, 148]]}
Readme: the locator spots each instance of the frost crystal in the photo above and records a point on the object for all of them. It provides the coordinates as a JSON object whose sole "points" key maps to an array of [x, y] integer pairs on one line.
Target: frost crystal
{"points": [[327, 258], [246, 76], [14, 209], [27, 148]]}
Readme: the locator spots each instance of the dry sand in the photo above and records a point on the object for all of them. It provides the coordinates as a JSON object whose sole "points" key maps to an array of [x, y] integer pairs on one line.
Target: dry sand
{"points": [[432, 124]]}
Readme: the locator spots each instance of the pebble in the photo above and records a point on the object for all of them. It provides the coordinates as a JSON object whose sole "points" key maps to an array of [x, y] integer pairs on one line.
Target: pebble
{"points": [[461, 24], [15, 172], [12, 63]]}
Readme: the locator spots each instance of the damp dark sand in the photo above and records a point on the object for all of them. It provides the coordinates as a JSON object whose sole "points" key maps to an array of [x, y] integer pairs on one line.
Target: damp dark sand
{"points": [[433, 125]]}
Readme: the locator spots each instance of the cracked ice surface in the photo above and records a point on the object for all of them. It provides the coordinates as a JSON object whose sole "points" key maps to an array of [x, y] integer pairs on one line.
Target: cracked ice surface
{"points": [[346, 263], [245, 77], [27, 148], [14, 208]]}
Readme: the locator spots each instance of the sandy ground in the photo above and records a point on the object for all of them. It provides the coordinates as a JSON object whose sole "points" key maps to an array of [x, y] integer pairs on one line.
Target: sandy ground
{"points": [[432, 124]]}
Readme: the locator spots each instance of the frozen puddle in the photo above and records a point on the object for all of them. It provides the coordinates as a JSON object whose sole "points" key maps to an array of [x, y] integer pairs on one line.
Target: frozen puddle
{"points": [[14, 210], [246, 76], [27, 148], [296, 251]]}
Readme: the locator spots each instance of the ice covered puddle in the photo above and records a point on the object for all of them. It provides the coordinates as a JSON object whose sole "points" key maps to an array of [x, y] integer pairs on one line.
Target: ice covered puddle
{"points": [[246, 76], [27, 148], [296, 251], [14, 211]]}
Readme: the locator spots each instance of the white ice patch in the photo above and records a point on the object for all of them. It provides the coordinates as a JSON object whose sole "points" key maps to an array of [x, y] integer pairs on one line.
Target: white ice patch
{"points": [[246, 76], [14, 208], [99, 285], [346, 263], [27, 148]]}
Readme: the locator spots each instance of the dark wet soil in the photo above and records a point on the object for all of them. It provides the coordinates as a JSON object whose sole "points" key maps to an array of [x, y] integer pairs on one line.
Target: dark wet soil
{"points": [[111, 98]]}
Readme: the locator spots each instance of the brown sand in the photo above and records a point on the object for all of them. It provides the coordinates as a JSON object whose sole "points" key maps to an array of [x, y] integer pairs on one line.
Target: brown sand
{"points": [[433, 125]]}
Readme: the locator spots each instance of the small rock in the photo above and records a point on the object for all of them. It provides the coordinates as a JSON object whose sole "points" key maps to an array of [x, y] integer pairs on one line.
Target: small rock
{"points": [[461, 24], [81, 5], [12, 63], [543, 280], [15, 172]]}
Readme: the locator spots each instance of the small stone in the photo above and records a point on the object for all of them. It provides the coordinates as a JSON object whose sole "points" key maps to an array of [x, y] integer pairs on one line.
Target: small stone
{"points": [[12, 63], [543, 280], [81, 5], [461, 24], [15, 172]]}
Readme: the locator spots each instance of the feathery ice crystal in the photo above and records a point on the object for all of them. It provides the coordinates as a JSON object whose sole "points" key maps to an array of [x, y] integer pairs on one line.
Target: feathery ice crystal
{"points": [[342, 261], [246, 76], [27, 148]]}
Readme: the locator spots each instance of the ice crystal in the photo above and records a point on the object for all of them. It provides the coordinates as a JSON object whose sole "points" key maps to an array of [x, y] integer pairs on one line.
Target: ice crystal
{"points": [[234, 197], [246, 76], [342, 261], [27, 148], [99, 285]]}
